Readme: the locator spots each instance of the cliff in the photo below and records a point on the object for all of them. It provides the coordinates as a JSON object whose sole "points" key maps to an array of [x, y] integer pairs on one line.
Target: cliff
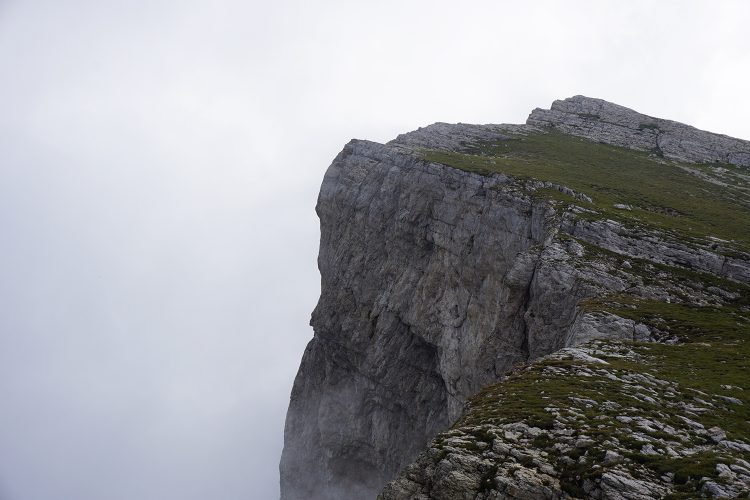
{"points": [[571, 260]]}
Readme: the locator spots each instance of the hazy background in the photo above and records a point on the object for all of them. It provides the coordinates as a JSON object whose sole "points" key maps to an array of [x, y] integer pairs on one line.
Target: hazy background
{"points": [[159, 165]]}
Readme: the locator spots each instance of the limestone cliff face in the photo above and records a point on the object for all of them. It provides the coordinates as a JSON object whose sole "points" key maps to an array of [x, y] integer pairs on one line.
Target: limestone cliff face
{"points": [[436, 281], [426, 277]]}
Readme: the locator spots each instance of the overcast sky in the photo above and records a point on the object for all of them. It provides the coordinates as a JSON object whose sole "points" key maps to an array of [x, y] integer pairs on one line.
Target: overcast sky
{"points": [[159, 166]]}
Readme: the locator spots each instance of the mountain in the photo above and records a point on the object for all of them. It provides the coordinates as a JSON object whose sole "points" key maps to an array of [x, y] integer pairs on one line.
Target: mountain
{"points": [[559, 309]]}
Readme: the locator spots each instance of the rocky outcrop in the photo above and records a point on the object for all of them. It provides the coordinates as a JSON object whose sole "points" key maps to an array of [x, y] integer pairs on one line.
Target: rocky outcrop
{"points": [[641, 420], [436, 282], [610, 123]]}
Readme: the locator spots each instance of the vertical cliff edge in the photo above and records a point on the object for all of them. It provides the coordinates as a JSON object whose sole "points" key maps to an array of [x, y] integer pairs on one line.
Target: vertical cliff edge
{"points": [[488, 276]]}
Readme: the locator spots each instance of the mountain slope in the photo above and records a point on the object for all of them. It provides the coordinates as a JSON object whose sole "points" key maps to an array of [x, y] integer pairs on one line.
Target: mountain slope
{"points": [[457, 253]]}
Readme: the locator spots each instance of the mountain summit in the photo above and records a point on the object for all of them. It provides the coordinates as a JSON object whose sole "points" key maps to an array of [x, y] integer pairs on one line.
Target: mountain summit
{"points": [[559, 309]]}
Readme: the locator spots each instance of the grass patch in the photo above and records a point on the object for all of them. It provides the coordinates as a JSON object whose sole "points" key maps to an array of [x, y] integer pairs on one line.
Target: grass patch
{"points": [[648, 126], [662, 194]]}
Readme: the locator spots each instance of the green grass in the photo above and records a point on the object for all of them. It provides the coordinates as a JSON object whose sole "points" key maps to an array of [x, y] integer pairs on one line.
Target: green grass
{"points": [[663, 195], [715, 352], [650, 126]]}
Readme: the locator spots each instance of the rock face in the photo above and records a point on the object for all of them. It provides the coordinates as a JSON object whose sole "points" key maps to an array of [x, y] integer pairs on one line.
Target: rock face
{"points": [[427, 274], [603, 121], [436, 281]]}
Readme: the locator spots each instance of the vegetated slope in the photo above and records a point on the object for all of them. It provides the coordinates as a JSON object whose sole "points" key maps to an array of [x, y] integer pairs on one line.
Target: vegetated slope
{"points": [[692, 201], [581, 281], [616, 418]]}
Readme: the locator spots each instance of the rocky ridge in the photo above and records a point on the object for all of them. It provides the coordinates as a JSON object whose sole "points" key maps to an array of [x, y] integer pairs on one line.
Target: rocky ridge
{"points": [[456, 253], [610, 123]]}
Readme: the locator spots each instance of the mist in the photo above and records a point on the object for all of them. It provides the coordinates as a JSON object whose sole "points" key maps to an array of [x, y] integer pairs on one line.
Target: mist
{"points": [[159, 168]]}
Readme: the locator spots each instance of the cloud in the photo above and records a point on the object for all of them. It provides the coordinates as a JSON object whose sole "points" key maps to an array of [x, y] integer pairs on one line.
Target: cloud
{"points": [[159, 166]]}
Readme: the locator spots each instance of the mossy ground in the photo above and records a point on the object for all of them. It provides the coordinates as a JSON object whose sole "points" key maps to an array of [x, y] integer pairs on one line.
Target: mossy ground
{"points": [[661, 194]]}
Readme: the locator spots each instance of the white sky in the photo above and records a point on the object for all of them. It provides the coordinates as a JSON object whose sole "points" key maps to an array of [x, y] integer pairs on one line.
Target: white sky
{"points": [[159, 166]]}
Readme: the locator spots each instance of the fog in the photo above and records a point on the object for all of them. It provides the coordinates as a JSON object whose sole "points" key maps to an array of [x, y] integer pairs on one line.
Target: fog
{"points": [[159, 166]]}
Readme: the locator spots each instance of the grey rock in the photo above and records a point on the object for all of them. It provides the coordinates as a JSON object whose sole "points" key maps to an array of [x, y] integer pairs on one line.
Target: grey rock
{"points": [[590, 326], [724, 472], [620, 485], [612, 458], [615, 237], [717, 434], [584, 442], [734, 445], [578, 355], [731, 387], [441, 474], [714, 490], [648, 449], [603, 121], [739, 469], [730, 400], [450, 137], [527, 484]]}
